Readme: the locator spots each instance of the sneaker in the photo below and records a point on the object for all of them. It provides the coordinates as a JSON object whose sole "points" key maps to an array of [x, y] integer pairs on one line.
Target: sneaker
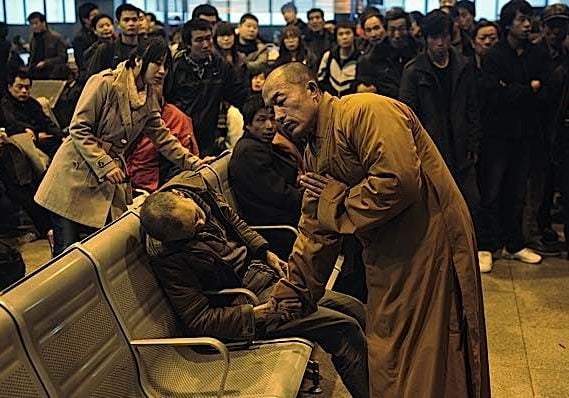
{"points": [[525, 255], [485, 261]]}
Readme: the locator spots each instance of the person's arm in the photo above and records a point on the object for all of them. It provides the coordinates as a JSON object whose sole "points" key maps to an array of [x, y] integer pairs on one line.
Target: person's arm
{"points": [[472, 110], [500, 92], [179, 279], [254, 172], [365, 78], [101, 59], [167, 144], [408, 89], [234, 89], [383, 138], [84, 123], [60, 57]]}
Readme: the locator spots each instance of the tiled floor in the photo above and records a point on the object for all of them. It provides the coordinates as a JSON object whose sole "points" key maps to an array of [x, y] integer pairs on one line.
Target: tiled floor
{"points": [[527, 315]]}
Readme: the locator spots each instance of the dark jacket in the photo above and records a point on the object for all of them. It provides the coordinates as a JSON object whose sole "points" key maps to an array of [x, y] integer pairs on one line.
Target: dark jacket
{"points": [[454, 134], [200, 97], [27, 115], [513, 110], [107, 56], [264, 183], [225, 253], [55, 56], [383, 67], [558, 139], [301, 25], [319, 42], [83, 39]]}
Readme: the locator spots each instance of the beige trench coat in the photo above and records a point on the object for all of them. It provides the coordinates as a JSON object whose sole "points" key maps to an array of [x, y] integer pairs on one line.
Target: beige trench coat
{"points": [[426, 329], [102, 129]]}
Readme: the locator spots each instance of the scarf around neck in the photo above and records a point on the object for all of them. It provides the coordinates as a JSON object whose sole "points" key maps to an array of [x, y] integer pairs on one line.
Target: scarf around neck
{"points": [[125, 82]]}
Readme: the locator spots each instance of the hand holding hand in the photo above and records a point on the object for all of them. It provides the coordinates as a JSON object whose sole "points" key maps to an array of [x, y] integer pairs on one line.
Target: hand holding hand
{"points": [[276, 264]]}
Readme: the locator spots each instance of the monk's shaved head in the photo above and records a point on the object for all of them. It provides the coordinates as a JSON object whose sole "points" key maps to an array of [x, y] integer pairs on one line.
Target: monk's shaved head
{"points": [[292, 90]]}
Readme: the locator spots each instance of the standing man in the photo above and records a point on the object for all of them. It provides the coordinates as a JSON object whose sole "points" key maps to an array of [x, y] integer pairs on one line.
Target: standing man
{"points": [[374, 172], [290, 12], [110, 54], [380, 70], [516, 74], [318, 39], [85, 37], [200, 81], [440, 86], [372, 23], [48, 51]]}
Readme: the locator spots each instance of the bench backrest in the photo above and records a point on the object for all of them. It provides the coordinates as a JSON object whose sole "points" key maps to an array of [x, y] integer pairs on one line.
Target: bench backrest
{"points": [[18, 378], [217, 176], [70, 331]]}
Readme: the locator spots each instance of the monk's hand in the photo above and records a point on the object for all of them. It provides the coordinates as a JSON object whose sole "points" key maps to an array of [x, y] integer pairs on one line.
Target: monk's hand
{"points": [[314, 183], [276, 264]]}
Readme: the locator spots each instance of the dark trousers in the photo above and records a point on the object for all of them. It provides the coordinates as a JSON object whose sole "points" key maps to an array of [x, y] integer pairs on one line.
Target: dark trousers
{"points": [[564, 188], [503, 173], [67, 232], [467, 182], [338, 327], [23, 195]]}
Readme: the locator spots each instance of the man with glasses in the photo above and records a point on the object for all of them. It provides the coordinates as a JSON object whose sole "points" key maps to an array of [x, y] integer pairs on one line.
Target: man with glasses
{"points": [[380, 71]]}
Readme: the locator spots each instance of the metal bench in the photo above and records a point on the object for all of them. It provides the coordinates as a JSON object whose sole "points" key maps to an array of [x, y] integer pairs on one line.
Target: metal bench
{"points": [[272, 368]]}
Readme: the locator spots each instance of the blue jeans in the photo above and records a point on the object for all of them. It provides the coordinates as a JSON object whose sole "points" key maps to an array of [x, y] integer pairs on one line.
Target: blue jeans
{"points": [[67, 232]]}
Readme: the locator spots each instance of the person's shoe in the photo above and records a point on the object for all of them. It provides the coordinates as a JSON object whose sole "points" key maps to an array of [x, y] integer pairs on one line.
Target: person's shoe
{"points": [[544, 248], [485, 261], [549, 235], [525, 255]]}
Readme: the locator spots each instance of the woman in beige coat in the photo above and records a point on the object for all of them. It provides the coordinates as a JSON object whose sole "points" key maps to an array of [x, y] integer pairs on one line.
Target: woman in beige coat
{"points": [[86, 185]]}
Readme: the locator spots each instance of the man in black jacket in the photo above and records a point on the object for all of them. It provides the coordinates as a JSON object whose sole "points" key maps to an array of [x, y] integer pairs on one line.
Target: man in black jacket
{"points": [[110, 54], [24, 114], [85, 37], [440, 86], [48, 51], [318, 39], [204, 246], [380, 70], [200, 81], [263, 179], [516, 73]]}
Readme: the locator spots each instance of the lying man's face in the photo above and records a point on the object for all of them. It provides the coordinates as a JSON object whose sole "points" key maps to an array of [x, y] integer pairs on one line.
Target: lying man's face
{"points": [[190, 214]]}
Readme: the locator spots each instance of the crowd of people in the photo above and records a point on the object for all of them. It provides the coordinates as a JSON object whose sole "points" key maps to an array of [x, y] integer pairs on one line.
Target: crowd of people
{"points": [[142, 103]]}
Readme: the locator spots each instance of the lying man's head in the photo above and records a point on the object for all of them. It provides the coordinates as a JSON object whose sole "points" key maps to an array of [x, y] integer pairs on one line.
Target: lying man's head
{"points": [[171, 216]]}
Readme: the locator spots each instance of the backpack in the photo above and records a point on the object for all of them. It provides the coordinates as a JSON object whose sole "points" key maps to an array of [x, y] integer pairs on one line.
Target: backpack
{"points": [[12, 266]]}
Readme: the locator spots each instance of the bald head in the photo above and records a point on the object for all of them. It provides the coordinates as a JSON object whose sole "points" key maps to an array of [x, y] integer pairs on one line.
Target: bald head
{"points": [[169, 216], [292, 90]]}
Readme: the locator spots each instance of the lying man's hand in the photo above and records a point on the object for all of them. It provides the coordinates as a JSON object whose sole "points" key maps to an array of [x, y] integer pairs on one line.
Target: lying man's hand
{"points": [[314, 183], [277, 264], [284, 310]]}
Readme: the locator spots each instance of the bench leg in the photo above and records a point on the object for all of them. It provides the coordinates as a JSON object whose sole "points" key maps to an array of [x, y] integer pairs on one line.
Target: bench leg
{"points": [[313, 372]]}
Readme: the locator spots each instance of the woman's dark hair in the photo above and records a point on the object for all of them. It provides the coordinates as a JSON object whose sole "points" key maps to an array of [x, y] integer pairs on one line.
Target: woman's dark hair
{"points": [[284, 53], [98, 17], [484, 23], [226, 29], [509, 11], [84, 10], [152, 50], [194, 25], [252, 105]]}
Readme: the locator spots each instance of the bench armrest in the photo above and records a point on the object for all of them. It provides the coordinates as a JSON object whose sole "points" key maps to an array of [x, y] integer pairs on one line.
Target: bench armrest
{"points": [[287, 228], [235, 291], [194, 341]]}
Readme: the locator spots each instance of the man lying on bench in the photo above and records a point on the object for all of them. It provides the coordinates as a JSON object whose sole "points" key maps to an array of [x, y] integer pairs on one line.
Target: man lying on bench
{"points": [[197, 243]]}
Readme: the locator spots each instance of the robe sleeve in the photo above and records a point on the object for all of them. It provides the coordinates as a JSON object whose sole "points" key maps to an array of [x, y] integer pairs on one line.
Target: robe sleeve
{"points": [[382, 136]]}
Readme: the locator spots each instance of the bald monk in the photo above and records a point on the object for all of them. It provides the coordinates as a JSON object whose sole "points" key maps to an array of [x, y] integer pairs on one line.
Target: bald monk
{"points": [[374, 172]]}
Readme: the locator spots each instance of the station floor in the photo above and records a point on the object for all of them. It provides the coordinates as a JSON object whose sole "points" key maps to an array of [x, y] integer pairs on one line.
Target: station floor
{"points": [[527, 316]]}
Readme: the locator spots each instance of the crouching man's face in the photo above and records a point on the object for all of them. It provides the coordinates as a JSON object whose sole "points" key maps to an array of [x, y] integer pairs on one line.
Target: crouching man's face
{"points": [[263, 125]]}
